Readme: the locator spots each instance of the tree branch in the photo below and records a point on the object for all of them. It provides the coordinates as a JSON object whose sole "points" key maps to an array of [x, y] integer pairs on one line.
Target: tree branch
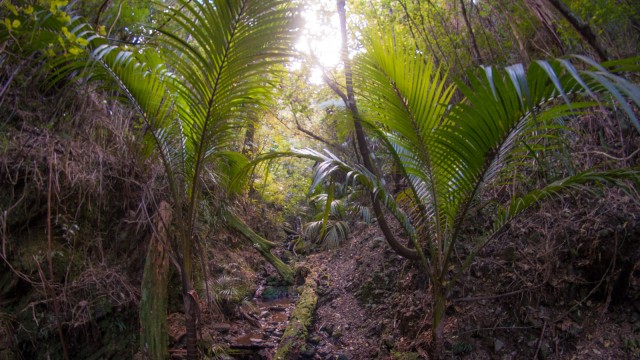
{"points": [[581, 27]]}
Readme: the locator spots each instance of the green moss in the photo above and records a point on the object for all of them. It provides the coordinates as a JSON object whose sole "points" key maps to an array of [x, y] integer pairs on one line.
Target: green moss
{"points": [[296, 333]]}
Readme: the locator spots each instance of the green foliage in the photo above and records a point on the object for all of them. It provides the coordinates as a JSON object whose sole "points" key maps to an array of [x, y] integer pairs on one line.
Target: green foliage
{"points": [[192, 96], [127, 20], [330, 225], [45, 28], [447, 153]]}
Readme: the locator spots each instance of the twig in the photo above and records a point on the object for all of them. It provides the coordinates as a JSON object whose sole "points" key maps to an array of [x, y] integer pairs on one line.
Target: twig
{"points": [[611, 156], [498, 328], [56, 305], [113, 24], [613, 268], [479, 298], [544, 327]]}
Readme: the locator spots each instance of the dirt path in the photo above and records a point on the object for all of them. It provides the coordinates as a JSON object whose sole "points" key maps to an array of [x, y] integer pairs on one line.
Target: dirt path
{"points": [[346, 327]]}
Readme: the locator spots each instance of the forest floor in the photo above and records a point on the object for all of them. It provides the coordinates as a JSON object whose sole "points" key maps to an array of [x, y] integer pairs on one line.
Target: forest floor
{"points": [[545, 291], [548, 289]]}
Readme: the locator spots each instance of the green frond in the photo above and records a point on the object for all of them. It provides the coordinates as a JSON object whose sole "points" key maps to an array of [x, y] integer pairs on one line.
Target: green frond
{"points": [[622, 178], [337, 232], [501, 110]]}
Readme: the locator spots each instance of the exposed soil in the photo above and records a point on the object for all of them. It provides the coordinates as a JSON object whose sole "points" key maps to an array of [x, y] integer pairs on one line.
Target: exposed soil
{"points": [[552, 287]]}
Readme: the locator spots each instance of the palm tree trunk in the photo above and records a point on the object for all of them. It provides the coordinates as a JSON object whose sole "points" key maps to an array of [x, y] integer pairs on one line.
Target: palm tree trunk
{"points": [[249, 148], [192, 315], [189, 295], [155, 281], [438, 307]]}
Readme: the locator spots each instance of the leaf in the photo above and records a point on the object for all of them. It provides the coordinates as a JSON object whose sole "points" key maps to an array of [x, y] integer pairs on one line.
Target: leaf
{"points": [[327, 208]]}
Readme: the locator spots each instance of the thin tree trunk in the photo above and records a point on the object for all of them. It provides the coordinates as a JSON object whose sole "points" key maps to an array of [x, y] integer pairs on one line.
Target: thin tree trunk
{"points": [[524, 55], [543, 14], [192, 316], [363, 147], [414, 36], [155, 282], [447, 32], [189, 295], [313, 135], [477, 58], [439, 307], [248, 148], [581, 27]]}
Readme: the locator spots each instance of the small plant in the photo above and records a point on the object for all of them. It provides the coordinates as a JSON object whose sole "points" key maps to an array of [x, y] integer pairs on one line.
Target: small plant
{"points": [[330, 227], [226, 289]]}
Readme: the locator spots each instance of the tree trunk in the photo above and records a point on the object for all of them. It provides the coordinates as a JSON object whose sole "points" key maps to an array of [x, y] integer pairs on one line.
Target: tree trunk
{"points": [[581, 27], [249, 148], [155, 280], [361, 140], [477, 58], [296, 333], [438, 307], [262, 245], [192, 317]]}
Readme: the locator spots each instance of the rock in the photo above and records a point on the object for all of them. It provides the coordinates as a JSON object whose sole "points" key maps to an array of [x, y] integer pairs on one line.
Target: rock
{"points": [[275, 292], [376, 243], [605, 233], [207, 341], [498, 345], [286, 256], [255, 340]]}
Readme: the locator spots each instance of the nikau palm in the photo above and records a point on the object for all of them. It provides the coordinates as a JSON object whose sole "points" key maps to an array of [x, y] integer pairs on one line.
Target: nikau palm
{"points": [[195, 94], [447, 152]]}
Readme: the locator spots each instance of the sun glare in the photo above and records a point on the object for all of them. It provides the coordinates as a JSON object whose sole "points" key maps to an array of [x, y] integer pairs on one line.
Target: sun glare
{"points": [[320, 37]]}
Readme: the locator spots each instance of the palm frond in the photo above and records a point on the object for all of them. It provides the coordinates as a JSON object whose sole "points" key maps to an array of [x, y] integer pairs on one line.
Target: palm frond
{"points": [[502, 107], [223, 67], [625, 179]]}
